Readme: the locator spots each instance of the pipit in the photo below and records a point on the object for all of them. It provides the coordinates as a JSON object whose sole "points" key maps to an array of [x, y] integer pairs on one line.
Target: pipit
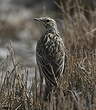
{"points": [[50, 54]]}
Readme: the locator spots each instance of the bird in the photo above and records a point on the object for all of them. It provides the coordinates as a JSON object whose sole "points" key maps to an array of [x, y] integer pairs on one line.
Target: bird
{"points": [[50, 54]]}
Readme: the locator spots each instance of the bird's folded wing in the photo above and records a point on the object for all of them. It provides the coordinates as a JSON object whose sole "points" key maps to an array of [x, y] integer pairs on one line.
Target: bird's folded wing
{"points": [[51, 69], [51, 57], [47, 70]]}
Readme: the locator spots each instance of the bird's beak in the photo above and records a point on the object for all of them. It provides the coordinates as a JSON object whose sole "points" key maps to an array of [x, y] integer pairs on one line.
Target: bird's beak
{"points": [[36, 19]]}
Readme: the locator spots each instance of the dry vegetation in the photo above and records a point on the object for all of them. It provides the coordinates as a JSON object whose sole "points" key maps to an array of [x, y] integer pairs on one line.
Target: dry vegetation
{"points": [[78, 81]]}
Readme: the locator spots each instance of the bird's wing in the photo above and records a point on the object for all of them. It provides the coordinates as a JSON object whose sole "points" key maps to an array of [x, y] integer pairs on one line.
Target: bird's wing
{"points": [[51, 58], [46, 70]]}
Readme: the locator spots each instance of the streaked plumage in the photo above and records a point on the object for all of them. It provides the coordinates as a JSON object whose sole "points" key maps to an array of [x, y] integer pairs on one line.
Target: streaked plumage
{"points": [[50, 54]]}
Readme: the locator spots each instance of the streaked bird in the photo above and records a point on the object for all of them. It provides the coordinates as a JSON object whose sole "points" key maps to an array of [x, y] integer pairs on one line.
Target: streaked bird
{"points": [[50, 54]]}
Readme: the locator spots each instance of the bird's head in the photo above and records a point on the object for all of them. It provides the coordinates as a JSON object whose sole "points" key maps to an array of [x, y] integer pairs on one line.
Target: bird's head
{"points": [[47, 23]]}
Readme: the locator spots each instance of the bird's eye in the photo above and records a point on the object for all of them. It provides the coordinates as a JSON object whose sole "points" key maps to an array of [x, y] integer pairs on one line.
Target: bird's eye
{"points": [[47, 20]]}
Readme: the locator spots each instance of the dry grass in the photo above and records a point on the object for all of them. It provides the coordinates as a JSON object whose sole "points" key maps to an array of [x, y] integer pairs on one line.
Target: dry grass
{"points": [[78, 83], [17, 92]]}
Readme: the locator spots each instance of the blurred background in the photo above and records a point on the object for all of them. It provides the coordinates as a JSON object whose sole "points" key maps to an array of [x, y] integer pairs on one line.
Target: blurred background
{"points": [[76, 21], [16, 24]]}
